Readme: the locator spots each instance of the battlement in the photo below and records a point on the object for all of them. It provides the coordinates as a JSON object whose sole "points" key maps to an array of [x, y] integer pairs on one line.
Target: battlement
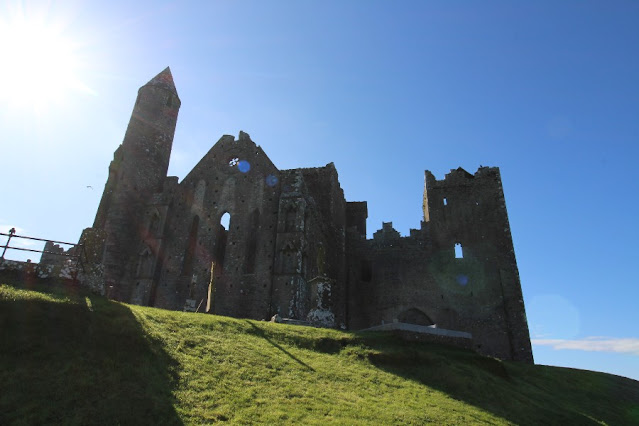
{"points": [[459, 176], [463, 190]]}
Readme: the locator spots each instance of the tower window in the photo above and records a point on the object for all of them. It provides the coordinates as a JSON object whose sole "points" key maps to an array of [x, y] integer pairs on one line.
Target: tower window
{"points": [[459, 254], [445, 201]]}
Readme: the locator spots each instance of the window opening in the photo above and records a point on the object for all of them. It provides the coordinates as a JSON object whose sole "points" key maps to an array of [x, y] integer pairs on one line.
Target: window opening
{"points": [[459, 254], [225, 221], [445, 201], [221, 241]]}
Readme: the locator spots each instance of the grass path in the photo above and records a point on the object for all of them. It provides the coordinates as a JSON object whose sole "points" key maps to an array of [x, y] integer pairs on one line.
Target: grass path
{"points": [[74, 358]]}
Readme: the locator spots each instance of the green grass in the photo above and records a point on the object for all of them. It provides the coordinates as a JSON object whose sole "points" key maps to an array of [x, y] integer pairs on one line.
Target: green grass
{"points": [[69, 357]]}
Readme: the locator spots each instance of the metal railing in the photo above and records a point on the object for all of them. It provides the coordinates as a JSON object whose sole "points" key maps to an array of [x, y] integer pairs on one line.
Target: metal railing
{"points": [[76, 254]]}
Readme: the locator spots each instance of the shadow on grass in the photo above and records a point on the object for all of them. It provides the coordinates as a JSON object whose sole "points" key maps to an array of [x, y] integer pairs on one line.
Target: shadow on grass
{"points": [[81, 361], [261, 333], [520, 393]]}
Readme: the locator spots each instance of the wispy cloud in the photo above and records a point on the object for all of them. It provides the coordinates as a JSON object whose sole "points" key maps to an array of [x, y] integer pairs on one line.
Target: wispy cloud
{"points": [[594, 344]]}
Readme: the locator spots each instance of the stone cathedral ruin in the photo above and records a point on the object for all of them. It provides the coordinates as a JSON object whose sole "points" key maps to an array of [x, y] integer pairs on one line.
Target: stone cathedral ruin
{"points": [[293, 246]]}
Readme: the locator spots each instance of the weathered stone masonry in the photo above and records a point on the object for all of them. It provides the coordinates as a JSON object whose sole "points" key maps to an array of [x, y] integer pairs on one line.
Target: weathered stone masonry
{"points": [[294, 246]]}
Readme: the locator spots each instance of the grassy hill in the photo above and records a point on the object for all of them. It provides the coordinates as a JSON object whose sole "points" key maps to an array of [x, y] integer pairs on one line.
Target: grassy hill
{"points": [[67, 356]]}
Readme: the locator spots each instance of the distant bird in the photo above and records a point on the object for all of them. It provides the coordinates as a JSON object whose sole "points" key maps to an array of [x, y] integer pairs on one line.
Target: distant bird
{"points": [[89, 186]]}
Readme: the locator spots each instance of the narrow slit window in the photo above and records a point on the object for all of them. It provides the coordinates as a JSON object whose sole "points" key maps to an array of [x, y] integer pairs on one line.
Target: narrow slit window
{"points": [[221, 242], [445, 201], [459, 254]]}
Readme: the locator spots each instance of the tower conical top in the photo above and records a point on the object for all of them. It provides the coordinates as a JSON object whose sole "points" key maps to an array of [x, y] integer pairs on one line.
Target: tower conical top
{"points": [[164, 80]]}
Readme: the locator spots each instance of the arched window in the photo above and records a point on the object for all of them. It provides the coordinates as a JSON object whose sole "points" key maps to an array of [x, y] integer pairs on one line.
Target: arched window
{"points": [[221, 241], [225, 221], [414, 316]]}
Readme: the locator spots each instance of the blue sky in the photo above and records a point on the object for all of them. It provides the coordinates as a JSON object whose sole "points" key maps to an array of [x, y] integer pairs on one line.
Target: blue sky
{"points": [[547, 91]]}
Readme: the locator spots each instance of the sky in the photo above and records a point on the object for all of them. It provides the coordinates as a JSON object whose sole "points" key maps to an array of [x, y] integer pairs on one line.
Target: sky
{"points": [[547, 91]]}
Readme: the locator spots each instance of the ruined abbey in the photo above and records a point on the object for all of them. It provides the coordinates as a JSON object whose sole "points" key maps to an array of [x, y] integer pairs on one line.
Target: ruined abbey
{"points": [[241, 238]]}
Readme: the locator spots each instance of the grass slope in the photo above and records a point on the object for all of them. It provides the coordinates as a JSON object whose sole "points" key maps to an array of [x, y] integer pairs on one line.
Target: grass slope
{"points": [[70, 357]]}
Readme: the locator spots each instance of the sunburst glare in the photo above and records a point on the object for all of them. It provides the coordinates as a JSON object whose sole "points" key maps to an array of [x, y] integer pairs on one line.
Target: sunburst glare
{"points": [[40, 65]]}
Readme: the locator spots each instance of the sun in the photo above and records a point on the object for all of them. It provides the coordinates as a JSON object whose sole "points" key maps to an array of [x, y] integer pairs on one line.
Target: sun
{"points": [[39, 65]]}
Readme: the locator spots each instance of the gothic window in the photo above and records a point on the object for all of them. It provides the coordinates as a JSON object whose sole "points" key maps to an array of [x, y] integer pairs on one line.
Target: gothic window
{"points": [[221, 241], [189, 253]]}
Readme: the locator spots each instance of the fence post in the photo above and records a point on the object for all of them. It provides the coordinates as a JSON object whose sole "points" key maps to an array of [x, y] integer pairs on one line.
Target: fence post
{"points": [[11, 232]]}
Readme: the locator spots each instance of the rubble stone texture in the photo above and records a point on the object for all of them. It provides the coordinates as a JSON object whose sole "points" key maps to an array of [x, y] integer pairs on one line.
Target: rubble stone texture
{"points": [[293, 246]]}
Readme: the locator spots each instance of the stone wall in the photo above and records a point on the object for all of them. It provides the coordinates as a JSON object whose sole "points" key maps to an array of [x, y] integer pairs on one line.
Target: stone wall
{"points": [[29, 272]]}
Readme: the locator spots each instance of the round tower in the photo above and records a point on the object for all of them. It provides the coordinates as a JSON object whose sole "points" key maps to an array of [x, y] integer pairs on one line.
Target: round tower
{"points": [[138, 170], [146, 148]]}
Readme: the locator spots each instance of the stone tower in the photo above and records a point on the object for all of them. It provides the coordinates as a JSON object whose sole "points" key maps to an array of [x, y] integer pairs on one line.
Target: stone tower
{"points": [[137, 171], [473, 250]]}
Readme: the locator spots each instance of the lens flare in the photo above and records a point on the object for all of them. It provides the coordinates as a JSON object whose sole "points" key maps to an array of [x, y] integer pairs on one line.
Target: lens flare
{"points": [[462, 279], [244, 166]]}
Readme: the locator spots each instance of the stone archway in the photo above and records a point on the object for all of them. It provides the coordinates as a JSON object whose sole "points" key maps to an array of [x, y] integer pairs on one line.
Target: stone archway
{"points": [[414, 316]]}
